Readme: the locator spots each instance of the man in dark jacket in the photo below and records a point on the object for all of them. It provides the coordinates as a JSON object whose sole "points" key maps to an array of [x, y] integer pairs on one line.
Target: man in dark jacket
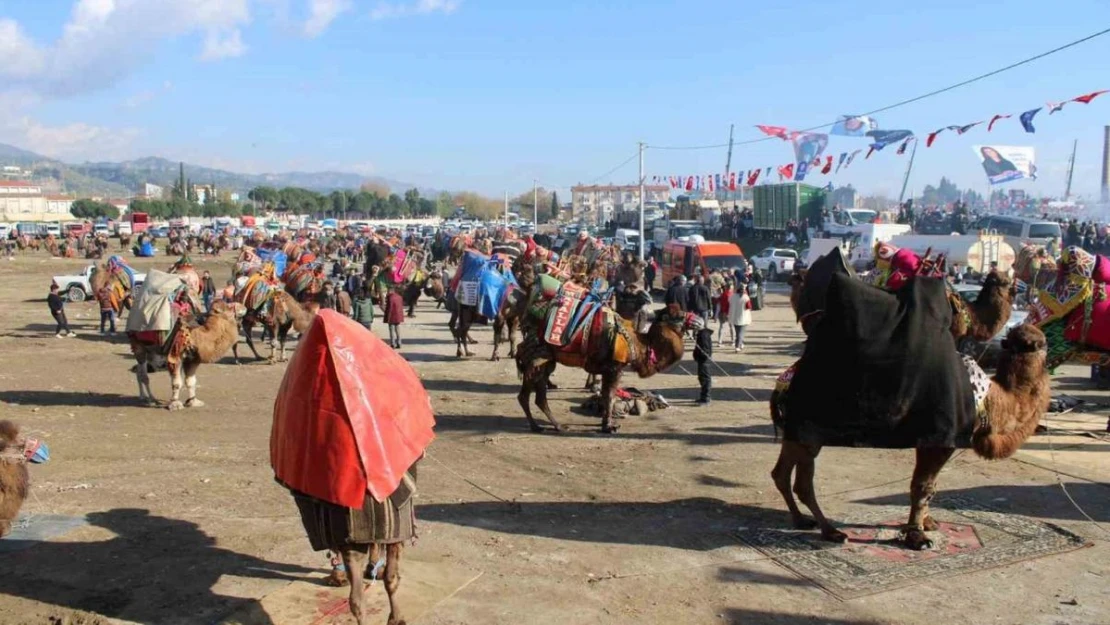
{"points": [[703, 351], [699, 301], [677, 295], [58, 311]]}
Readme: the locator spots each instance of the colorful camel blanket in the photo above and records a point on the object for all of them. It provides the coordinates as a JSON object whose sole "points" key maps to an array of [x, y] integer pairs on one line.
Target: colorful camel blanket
{"points": [[881, 369], [1075, 308]]}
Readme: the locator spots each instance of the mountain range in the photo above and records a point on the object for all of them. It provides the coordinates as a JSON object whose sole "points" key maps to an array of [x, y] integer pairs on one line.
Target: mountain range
{"points": [[126, 178]]}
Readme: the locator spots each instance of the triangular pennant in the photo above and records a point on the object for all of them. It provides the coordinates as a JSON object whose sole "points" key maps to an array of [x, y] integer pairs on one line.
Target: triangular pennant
{"points": [[990, 126], [1086, 99], [1027, 119], [843, 157], [828, 164], [962, 129], [902, 148], [1055, 106], [870, 151], [933, 137]]}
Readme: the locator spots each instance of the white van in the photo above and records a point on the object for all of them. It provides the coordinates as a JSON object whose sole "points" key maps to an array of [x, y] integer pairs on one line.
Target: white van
{"points": [[5, 230], [627, 239], [54, 229], [1017, 231]]}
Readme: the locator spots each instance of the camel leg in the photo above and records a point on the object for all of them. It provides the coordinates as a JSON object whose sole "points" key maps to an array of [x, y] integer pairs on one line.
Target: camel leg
{"points": [[789, 454], [143, 377], [512, 326], [250, 343], [608, 388], [176, 382], [354, 558], [803, 488], [498, 325], [191, 400], [930, 460], [525, 394], [393, 581], [540, 386]]}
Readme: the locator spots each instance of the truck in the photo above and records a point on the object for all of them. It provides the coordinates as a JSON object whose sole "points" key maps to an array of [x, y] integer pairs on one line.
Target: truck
{"points": [[140, 222], [78, 287], [31, 229], [775, 204], [670, 229]]}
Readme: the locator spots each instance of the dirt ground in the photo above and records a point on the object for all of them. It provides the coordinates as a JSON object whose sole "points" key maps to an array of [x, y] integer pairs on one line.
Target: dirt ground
{"points": [[187, 526]]}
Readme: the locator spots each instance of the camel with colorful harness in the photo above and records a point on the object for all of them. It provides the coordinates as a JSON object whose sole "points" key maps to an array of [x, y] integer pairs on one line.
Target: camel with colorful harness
{"points": [[566, 324], [119, 277], [265, 301], [1074, 309]]}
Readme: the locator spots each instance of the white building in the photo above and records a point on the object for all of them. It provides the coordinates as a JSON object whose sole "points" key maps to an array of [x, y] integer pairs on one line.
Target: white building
{"points": [[598, 203], [152, 191]]}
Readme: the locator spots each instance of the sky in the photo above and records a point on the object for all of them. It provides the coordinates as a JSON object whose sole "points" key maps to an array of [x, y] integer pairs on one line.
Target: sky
{"points": [[488, 95]]}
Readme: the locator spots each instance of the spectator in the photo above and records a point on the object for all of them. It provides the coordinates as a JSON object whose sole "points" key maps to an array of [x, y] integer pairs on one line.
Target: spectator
{"points": [[649, 274], [394, 316], [723, 314], [207, 291], [58, 311], [740, 315], [703, 351], [699, 301], [228, 292], [342, 301], [363, 308], [676, 296], [716, 285], [107, 309]]}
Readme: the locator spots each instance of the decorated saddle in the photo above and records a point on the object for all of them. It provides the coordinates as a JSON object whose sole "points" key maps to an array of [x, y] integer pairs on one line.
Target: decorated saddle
{"points": [[1074, 310], [575, 322]]}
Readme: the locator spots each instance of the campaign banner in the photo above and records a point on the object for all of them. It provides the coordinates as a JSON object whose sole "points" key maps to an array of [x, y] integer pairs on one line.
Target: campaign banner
{"points": [[1006, 163], [854, 126]]}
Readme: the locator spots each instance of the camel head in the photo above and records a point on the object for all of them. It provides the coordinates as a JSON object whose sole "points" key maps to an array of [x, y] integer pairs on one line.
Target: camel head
{"points": [[1018, 395], [663, 341], [1000, 285]]}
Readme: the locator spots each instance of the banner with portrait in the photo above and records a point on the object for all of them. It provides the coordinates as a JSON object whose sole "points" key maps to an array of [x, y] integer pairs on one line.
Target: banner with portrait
{"points": [[1006, 163]]}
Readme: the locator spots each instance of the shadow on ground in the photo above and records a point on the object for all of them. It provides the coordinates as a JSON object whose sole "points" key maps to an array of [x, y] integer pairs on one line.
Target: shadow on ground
{"points": [[146, 573], [69, 398], [1042, 501]]}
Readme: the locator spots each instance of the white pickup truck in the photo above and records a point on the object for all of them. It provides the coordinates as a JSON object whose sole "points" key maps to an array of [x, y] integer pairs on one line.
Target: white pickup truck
{"points": [[77, 288]]}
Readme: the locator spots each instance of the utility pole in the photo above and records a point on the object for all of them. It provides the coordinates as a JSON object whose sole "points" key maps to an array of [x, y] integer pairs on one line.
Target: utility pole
{"points": [[535, 204], [643, 243], [1071, 170], [506, 209], [728, 162], [906, 179]]}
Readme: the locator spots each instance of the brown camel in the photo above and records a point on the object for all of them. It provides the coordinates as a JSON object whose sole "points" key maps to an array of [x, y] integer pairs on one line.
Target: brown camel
{"points": [[1015, 402], [187, 348], [278, 313], [14, 478], [646, 354], [513, 308]]}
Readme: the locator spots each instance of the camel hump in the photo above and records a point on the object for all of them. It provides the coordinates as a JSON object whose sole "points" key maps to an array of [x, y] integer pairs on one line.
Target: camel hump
{"points": [[9, 432]]}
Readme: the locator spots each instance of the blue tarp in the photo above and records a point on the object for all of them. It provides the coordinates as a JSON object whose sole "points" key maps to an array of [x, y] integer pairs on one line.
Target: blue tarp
{"points": [[470, 267], [491, 290], [146, 250], [277, 257]]}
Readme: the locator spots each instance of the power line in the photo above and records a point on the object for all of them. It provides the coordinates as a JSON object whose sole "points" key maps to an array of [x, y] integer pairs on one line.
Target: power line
{"points": [[605, 175], [907, 101]]}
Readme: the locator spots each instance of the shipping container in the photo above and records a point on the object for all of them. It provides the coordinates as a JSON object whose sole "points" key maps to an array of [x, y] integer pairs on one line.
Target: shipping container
{"points": [[776, 204]]}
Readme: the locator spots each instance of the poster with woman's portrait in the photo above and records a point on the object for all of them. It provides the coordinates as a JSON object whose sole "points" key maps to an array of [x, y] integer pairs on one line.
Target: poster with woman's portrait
{"points": [[1006, 163]]}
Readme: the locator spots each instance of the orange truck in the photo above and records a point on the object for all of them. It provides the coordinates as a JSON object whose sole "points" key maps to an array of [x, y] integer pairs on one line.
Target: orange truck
{"points": [[689, 258]]}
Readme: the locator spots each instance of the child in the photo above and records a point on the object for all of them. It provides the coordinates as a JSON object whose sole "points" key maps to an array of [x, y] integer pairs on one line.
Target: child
{"points": [[394, 316], [364, 308], [58, 311], [703, 350]]}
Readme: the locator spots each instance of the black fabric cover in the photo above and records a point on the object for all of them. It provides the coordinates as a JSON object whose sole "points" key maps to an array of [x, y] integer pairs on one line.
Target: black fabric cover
{"points": [[817, 280], [880, 369]]}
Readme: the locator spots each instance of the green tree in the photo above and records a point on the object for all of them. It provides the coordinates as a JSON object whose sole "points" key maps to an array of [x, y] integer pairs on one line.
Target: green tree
{"points": [[445, 204], [338, 203], [395, 206], [554, 206], [426, 207], [412, 198], [191, 193]]}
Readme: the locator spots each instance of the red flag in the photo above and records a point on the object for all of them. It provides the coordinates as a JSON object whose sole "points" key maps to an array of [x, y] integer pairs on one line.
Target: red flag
{"points": [[732, 181], [773, 131], [787, 171], [690, 183], [932, 137], [709, 183], [828, 165], [869, 151], [990, 126], [753, 177], [816, 162], [1086, 99], [674, 182]]}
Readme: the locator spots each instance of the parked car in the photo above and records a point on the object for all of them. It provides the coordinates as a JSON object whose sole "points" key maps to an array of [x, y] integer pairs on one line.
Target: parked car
{"points": [[77, 287], [987, 353], [775, 262], [1021, 230]]}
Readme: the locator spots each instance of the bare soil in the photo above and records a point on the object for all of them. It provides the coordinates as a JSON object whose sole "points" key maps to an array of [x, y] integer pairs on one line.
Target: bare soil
{"points": [[187, 526]]}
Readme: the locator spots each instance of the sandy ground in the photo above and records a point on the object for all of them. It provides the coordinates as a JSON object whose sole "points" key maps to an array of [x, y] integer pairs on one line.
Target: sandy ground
{"points": [[187, 525]]}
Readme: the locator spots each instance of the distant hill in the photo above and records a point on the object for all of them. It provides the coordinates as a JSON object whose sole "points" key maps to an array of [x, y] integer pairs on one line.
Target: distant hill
{"points": [[126, 178]]}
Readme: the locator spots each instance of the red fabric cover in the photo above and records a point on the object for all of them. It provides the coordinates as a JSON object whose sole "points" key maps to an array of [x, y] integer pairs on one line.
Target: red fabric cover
{"points": [[903, 266], [1098, 334], [351, 415], [1101, 274]]}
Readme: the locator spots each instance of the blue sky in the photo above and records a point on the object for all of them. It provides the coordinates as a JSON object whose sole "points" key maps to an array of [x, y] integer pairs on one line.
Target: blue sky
{"points": [[489, 94]]}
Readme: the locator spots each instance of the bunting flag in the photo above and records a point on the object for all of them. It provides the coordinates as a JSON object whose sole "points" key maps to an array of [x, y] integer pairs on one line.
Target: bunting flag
{"points": [[732, 181], [753, 177], [884, 138], [709, 183], [870, 151], [767, 173], [828, 164], [902, 148], [1055, 106], [990, 126], [962, 129], [774, 131], [717, 179], [786, 171], [801, 171], [674, 182], [854, 125], [843, 157], [1027, 119], [933, 137], [852, 157], [1086, 99], [689, 183]]}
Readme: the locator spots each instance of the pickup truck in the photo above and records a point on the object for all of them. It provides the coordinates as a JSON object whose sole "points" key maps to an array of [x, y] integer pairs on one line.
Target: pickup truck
{"points": [[77, 288]]}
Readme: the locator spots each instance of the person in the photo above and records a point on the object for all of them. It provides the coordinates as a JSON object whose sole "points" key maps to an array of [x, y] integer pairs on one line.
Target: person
{"points": [[698, 302], [58, 311], [675, 298], [228, 292], [107, 309], [723, 314], [716, 286], [363, 308], [740, 315], [207, 290], [994, 163], [394, 316], [703, 351], [649, 274], [343, 303]]}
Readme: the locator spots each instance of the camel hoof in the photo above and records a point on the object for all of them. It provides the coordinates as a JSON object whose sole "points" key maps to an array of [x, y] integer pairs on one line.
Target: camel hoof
{"points": [[612, 429], [804, 523], [194, 403], [834, 535], [175, 405], [337, 578], [495, 358], [536, 428], [153, 403], [472, 341], [917, 540], [930, 524], [393, 621]]}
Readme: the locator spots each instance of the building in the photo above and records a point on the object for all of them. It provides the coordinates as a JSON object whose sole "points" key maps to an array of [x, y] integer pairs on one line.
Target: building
{"points": [[152, 191], [23, 201], [202, 191], [598, 203], [59, 205], [15, 172]]}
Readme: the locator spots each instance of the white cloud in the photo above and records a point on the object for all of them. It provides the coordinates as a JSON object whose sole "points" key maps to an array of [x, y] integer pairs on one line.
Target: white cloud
{"points": [[386, 10], [75, 141], [147, 96], [322, 13], [223, 45]]}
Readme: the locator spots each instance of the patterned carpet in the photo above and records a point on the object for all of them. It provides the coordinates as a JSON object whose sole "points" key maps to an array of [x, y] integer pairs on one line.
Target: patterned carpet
{"points": [[971, 537]]}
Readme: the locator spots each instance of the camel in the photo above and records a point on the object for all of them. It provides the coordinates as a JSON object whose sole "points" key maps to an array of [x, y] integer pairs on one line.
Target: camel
{"points": [[124, 241], [513, 308], [186, 349], [278, 311], [118, 275], [1036, 268], [1015, 402], [434, 287], [14, 478], [613, 346]]}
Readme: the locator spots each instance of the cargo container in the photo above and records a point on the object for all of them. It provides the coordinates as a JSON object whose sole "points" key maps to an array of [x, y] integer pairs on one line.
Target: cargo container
{"points": [[776, 204]]}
